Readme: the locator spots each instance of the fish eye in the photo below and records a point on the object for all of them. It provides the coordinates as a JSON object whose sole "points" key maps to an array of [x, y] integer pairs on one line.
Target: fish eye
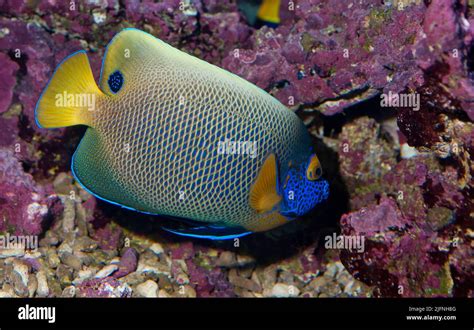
{"points": [[115, 81], [314, 170], [319, 172]]}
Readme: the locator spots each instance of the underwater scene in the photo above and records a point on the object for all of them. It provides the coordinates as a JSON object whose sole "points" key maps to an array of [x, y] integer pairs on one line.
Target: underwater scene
{"points": [[236, 148]]}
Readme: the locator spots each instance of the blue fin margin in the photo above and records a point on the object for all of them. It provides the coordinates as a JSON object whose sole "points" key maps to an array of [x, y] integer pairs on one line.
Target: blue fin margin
{"points": [[209, 232]]}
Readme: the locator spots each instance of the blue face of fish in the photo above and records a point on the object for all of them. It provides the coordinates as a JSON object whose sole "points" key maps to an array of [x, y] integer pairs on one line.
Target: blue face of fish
{"points": [[303, 189]]}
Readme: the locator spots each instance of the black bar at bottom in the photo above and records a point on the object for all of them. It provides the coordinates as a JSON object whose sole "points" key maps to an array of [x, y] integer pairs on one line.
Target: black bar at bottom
{"points": [[242, 313]]}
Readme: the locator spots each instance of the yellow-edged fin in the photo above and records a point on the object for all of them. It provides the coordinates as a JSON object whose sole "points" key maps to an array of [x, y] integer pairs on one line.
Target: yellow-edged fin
{"points": [[70, 96], [267, 221], [263, 193], [314, 171], [269, 11]]}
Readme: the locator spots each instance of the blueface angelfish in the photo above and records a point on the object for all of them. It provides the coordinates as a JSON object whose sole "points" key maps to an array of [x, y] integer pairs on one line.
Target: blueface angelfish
{"points": [[170, 134]]}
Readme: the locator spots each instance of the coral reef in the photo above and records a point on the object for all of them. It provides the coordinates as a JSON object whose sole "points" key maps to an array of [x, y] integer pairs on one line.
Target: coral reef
{"points": [[400, 178]]}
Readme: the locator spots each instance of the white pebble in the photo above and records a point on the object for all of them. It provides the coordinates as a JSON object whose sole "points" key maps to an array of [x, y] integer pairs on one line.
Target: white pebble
{"points": [[7, 253], [106, 271], [156, 248], [163, 294], [83, 275], [43, 289], [22, 270], [147, 289], [281, 290], [69, 292]]}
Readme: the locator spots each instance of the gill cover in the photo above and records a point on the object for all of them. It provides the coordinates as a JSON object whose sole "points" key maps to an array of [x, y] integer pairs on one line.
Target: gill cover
{"points": [[303, 189]]}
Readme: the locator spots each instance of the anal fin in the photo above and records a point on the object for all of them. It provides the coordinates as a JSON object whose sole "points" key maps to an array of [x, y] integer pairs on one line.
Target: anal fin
{"points": [[211, 232]]}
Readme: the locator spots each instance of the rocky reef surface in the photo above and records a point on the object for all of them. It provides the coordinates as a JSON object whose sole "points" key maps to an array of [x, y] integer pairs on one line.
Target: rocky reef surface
{"points": [[401, 177]]}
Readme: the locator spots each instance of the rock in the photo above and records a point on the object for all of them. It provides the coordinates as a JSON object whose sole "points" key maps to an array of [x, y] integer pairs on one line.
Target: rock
{"points": [[64, 275], [7, 253], [8, 70], [22, 270], [268, 276], [333, 269], [182, 279], [69, 292], [7, 291], [115, 260], [81, 222], [83, 275], [85, 258], [32, 285], [240, 292], [128, 263], [226, 259], [245, 272], [319, 283], [50, 239], [163, 294], [109, 237], [85, 244], [69, 215], [52, 258], [103, 287], [65, 247], [286, 277], [147, 289], [27, 207], [243, 282], [5, 294], [245, 260], [43, 289], [135, 278], [281, 290], [20, 288], [187, 291], [156, 248], [63, 184], [72, 261], [150, 267], [106, 271]]}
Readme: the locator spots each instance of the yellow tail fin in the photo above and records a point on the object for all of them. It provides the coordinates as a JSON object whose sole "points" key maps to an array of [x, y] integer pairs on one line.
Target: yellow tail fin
{"points": [[70, 96], [269, 11]]}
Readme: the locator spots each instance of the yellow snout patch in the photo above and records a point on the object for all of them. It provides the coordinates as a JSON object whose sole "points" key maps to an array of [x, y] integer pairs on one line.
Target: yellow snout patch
{"points": [[314, 170]]}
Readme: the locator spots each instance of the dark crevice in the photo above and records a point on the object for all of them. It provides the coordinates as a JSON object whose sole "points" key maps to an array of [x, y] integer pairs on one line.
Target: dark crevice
{"points": [[369, 108]]}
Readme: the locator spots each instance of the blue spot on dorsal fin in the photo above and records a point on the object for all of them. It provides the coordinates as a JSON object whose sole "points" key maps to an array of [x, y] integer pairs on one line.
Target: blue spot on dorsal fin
{"points": [[115, 81]]}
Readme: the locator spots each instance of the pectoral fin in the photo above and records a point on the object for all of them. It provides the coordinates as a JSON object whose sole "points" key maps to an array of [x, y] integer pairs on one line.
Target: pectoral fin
{"points": [[264, 193]]}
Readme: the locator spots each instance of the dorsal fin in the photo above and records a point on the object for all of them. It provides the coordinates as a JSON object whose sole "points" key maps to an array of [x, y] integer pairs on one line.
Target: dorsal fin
{"points": [[264, 192]]}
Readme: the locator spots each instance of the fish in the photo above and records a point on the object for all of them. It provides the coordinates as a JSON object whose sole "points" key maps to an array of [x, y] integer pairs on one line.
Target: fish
{"points": [[268, 14], [171, 135]]}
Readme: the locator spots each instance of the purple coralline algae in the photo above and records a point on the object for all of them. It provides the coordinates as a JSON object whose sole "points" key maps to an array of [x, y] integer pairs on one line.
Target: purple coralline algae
{"points": [[8, 70], [128, 263], [26, 207], [414, 218], [107, 287]]}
